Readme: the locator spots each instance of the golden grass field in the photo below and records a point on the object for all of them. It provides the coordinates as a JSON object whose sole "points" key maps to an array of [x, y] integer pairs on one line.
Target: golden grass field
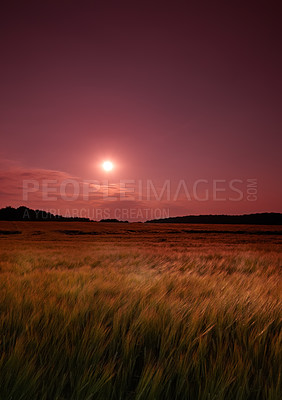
{"points": [[139, 311]]}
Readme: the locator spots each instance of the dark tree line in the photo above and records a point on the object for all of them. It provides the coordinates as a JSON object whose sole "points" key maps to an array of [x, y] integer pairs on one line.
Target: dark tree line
{"points": [[26, 214], [248, 219]]}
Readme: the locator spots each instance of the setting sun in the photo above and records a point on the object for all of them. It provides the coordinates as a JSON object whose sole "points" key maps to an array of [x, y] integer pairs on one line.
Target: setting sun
{"points": [[107, 165]]}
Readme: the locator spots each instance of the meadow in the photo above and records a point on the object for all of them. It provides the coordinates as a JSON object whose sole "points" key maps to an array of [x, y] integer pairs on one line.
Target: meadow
{"points": [[139, 311]]}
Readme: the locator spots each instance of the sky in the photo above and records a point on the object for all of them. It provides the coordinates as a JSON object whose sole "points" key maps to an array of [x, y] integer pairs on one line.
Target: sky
{"points": [[183, 96]]}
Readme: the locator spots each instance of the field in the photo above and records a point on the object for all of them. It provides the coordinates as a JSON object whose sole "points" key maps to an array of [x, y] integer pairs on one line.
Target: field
{"points": [[139, 311]]}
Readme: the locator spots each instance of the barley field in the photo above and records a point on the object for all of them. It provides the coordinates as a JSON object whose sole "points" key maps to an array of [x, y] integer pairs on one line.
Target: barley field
{"points": [[92, 311]]}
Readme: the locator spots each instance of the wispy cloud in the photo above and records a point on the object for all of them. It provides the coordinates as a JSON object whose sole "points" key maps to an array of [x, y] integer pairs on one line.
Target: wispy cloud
{"points": [[59, 191]]}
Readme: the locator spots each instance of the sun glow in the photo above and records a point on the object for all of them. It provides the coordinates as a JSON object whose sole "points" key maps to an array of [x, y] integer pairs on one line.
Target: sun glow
{"points": [[108, 165]]}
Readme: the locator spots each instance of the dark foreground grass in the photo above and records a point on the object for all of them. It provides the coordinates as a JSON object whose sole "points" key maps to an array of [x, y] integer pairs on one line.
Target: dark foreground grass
{"points": [[81, 321]]}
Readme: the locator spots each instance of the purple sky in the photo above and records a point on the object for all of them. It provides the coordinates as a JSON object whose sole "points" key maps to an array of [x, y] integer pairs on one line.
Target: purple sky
{"points": [[182, 91]]}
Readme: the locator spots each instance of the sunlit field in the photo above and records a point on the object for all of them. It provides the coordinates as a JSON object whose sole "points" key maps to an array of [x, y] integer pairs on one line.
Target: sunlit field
{"points": [[139, 311]]}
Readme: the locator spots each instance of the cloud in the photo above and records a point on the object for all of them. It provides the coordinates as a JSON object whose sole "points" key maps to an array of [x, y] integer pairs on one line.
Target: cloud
{"points": [[59, 191], [62, 193], [13, 176]]}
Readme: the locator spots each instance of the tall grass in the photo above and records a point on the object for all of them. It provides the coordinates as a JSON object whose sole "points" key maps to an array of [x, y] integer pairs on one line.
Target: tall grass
{"points": [[87, 321]]}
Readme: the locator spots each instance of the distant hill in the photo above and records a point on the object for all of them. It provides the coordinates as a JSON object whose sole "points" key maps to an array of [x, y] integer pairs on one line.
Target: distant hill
{"points": [[248, 219], [26, 214], [112, 220]]}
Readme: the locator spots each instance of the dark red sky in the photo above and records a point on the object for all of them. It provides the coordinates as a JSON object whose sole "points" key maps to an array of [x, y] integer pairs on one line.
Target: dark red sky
{"points": [[182, 90]]}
